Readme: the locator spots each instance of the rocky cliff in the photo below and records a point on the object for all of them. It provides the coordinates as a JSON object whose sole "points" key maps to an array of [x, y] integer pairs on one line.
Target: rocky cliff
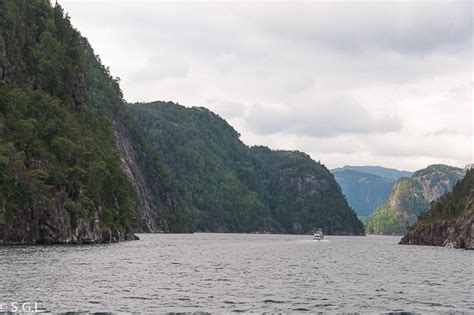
{"points": [[160, 209], [6, 68], [450, 221], [411, 196], [158, 206]]}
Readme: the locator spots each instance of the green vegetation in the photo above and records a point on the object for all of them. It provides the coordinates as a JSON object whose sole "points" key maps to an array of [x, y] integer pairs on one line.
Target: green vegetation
{"points": [[384, 221], [410, 197], [231, 187], [49, 141]]}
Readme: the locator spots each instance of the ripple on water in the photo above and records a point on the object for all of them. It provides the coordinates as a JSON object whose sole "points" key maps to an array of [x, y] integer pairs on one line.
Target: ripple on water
{"points": [[239, 273]]}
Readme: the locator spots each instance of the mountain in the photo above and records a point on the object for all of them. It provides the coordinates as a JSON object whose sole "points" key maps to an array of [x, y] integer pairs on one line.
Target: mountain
{"points": [[67, 143], [364, 192], [78, 166], [384, 172], [450, 221], [233, 188], [411, 196]]}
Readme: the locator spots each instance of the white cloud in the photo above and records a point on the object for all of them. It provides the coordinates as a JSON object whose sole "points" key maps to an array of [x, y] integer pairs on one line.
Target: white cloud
{"points": [[380, 82]]}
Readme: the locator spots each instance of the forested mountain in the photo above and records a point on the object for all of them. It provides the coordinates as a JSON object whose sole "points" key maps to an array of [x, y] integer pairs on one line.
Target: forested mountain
{"points": [[364, 192], [61, 176], [380, 171], [450, 221], [233, 188], [77, 167], [411, 196]]}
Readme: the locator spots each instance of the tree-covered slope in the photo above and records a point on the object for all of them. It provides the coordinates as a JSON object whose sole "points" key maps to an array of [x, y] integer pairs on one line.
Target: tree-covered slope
{"points": [[62, 179], [411, 196], [364, 191], [60, 176], [302, 194], [230, 187], [450, 221]]}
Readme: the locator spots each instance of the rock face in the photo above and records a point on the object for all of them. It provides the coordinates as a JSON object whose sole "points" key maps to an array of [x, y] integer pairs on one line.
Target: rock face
{"points": [[6, 68], [147, 216], [449, 222], [51, 225], [411, 196], [156, 203], [79, 90]]}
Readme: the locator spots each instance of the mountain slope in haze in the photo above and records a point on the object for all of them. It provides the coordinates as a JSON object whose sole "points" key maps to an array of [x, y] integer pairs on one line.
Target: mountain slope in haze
{"points": [[380, 171], [450, 221], [364, 192], [233, 188], [62, 179], [411, 196]]}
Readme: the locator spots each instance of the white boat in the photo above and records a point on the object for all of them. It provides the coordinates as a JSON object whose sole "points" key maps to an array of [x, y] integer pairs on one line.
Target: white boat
{"points": [[318, 235]]}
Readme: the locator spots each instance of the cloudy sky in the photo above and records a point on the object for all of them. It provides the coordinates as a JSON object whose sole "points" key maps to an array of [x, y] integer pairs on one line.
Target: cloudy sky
{"points": [[358, 83]]}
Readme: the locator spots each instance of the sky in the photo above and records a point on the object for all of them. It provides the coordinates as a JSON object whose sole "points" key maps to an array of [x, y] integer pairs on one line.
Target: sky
{"points": [[385, 83]]}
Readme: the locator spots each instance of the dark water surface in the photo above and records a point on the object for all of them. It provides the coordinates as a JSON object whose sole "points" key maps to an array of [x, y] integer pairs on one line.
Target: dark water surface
{"points": [[239, 272]]}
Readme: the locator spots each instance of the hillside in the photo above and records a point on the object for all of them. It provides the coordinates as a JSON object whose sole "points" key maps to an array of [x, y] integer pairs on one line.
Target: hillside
{"points": [[233, 188], [364, 192], [411, 196], [450, 221], [62, 179]]}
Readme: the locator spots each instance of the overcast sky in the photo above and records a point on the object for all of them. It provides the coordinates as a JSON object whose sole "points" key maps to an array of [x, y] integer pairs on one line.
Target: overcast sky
{"points": [[350, 83]]}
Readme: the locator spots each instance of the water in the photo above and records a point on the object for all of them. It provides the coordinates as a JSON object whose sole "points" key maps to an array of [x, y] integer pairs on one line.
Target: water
{"points": [[239, 272]]}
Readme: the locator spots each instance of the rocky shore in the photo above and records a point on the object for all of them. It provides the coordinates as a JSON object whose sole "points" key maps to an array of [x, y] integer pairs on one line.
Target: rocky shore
{"points": [[458, 234]]}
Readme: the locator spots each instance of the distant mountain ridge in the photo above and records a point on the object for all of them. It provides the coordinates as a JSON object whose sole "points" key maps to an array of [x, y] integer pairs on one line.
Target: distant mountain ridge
{"points": [[366, 187], [384, 172], [411, 196]]}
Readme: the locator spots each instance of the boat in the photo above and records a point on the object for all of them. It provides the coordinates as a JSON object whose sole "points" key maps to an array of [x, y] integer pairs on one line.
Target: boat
{"points": [[318, 235]]}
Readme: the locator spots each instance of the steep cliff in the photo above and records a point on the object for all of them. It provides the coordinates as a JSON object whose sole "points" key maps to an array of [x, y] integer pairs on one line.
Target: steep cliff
{"points": [[411, 196], [159, 207], [233, 188], [450, 221]]}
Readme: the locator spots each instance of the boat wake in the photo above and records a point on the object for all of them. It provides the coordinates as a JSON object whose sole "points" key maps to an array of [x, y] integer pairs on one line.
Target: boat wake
{"points": [[314, 241]]}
